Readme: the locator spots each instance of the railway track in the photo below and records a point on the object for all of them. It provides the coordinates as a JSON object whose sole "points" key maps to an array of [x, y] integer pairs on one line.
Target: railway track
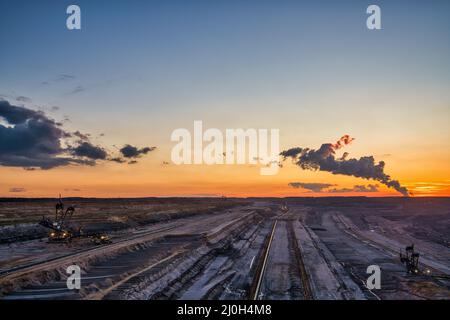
{"points": [[261, 269], [256, 286], [135, 271], [117, 286], [140, 235], [306, 286], [61, 258]]}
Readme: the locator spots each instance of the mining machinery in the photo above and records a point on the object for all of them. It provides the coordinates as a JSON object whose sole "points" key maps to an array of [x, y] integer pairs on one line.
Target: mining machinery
{"points": [[410, 259], [61, 231], [59, 228]]}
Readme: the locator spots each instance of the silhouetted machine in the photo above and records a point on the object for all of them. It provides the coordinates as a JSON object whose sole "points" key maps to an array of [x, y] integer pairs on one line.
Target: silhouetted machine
{"points": [[62, 232], [410, 259]]}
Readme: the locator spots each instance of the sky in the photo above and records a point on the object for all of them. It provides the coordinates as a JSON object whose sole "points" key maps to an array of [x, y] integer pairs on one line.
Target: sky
{"points": [[138, 70]]}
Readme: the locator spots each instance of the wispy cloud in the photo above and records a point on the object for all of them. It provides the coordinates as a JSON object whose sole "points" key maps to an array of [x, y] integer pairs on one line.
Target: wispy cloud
{"points": [[326, 187], [315, 187], [76, 90], [357, 188], [59, 78], [23, 99]]}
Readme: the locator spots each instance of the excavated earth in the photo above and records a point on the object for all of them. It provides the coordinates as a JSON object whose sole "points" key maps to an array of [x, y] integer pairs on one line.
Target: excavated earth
{"points": [[289, 249]]}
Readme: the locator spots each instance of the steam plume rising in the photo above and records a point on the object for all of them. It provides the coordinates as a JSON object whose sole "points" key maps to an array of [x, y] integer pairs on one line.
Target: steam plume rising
{"points": [[324, 159], [342, 142]]}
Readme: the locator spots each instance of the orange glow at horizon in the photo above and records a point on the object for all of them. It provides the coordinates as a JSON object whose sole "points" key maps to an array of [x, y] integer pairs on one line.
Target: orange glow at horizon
{"points": [[154, 175], [150, 178]]}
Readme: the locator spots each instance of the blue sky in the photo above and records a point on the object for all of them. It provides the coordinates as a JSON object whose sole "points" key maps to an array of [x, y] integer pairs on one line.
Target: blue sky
{"points": [[168, 55], [218, 59], [143, 68]]}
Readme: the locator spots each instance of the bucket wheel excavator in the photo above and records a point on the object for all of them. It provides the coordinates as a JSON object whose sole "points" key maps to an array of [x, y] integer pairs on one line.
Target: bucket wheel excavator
{"points": [[61, 231]]}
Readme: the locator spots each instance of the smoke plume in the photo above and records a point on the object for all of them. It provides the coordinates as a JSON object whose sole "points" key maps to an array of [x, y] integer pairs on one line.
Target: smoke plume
{"points": [[324, 159]]}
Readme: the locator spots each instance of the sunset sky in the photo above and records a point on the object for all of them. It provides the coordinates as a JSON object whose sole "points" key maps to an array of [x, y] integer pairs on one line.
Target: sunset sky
{"points": [[137, 70]]}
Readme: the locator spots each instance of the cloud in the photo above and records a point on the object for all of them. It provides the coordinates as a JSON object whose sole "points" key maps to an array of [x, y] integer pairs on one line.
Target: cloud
{"points": [[315, 187], [17, 115], [65, 77], [23, 99], [77, 89], [60, 78], [368, 188], [81, 136], [17, 190], [129, 151], [324, 159], [87, 150], [129, 154], [325, 187], [30, 139], [357, 188], [118, 160], [344, 156]]}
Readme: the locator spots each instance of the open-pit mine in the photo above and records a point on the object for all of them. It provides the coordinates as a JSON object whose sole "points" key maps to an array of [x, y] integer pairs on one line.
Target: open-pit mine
{"points": [[226, 249]]}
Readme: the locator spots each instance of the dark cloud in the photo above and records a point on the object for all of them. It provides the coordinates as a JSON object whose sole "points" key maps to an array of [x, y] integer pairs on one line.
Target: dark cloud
{"points": [[129, 151], [17, 115], [30, 139], [130, 154], [292, 153], [344, 156], [118, 160], [368, 188], [81, 136], [357, 188], [17, 190], [87, 150], [324, 159], [315, 187], [325, 187]]}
